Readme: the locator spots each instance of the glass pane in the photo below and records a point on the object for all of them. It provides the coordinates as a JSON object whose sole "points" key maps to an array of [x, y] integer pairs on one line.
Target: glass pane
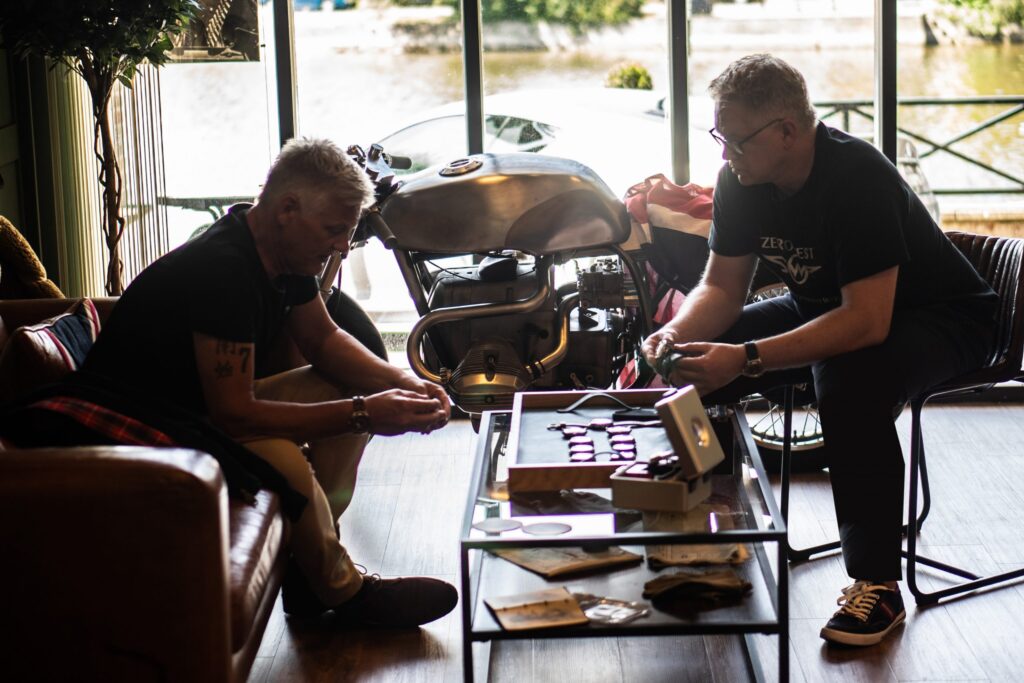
{"points": [[991, 74], [374, 72], [220, 133], [832, 44], [546, 66], [369, 70], [736, 501]]}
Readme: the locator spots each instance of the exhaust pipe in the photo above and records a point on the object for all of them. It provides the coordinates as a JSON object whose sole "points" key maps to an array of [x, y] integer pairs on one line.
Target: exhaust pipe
{"points": [[539, 367], [545, 277]]}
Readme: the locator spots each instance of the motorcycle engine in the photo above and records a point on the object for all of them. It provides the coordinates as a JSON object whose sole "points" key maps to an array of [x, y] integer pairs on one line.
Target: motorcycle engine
{"points": [[492, 355]]}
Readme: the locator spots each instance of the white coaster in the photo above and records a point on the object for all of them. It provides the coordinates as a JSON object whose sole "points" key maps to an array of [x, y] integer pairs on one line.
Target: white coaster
{"points": [[547, 528], [495, 525]]}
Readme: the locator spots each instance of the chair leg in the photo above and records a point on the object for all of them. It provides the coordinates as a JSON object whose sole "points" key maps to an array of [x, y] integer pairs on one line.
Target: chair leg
{"points": [[926, 495], [794, 554], [974, 581], [804, 554], [918, 483]]}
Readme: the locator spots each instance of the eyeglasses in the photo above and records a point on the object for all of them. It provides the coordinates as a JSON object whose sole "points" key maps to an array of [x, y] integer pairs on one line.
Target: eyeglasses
{"points": [[737, 146]]}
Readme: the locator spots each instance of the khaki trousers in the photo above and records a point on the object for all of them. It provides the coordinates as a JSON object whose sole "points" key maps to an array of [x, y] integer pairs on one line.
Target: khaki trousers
{"points": [[326, 477]]}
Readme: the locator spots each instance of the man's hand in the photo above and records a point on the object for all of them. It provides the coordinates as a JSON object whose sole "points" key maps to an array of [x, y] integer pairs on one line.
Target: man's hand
{"points": [[656, 345], [397, 411], [430, 390], [707, 366]]}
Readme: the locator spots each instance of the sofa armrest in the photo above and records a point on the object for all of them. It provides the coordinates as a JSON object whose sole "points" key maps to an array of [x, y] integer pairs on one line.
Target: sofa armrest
{"points": [[15, 313], [115, 565]]}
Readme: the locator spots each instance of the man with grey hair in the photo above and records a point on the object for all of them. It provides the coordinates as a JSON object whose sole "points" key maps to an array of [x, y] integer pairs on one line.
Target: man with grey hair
{"points": [[202, 321], [881, 306]]}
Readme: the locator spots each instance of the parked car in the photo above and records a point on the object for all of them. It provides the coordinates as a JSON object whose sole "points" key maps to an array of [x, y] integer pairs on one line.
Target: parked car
{"points": [[621, 134]]}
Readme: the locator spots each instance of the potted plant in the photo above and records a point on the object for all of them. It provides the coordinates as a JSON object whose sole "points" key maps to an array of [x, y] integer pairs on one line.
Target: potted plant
{"points": [[103, 41]]}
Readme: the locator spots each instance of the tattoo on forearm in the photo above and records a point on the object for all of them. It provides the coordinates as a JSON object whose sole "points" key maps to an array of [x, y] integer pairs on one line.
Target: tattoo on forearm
{"points": [[223, 370], [227, 348]]}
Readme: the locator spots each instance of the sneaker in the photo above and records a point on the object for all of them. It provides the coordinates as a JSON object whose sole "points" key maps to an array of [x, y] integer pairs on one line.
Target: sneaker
{"points": [[397, 603], [867, 612]]}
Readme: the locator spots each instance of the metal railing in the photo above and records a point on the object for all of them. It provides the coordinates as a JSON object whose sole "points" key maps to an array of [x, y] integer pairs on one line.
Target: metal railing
{"points": [[1014, 106]]}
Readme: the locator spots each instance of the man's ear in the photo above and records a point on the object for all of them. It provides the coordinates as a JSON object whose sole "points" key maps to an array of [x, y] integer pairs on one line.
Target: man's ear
{"points": [[287, 207], [790, 132]]}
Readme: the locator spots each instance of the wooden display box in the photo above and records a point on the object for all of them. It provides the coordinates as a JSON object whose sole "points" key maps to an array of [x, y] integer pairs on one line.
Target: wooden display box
{"points": [[538, 457], [667, 495]]}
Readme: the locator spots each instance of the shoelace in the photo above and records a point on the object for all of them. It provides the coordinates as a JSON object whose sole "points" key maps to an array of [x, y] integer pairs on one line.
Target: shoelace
{"points": [[859, 599], [365, 572], [374, 577]]}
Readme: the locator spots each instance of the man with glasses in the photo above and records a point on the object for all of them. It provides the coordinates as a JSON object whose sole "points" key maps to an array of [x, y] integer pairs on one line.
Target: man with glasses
{"points": [[881, 305]]}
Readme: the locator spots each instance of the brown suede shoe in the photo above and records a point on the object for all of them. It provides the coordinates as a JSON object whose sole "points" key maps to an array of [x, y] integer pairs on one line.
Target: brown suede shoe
{"points": [[297, 598], [396, 603]]}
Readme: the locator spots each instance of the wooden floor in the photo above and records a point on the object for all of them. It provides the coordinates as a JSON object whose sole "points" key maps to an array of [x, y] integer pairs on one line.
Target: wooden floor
{"points": [[405, 520]]}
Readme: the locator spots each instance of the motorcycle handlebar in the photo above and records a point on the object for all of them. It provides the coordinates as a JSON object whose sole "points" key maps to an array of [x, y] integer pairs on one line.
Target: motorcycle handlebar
{"points": [[380, 228], [400, 163]]}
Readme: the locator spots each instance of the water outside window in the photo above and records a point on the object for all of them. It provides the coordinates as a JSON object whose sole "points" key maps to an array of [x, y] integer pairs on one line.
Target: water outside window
{"points": [[392, 72]]}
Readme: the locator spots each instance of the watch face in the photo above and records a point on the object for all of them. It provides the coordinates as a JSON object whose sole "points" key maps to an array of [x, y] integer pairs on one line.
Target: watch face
{"points": [[360, 422], [360, 419], [754, 368]]}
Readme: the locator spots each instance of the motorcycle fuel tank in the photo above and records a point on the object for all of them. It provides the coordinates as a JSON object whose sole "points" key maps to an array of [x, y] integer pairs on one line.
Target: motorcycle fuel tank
{"points": [[492, 202]]}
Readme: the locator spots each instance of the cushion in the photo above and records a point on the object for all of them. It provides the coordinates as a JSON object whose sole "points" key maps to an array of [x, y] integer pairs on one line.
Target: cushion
{"points": [[43, 353], [22, 276]]}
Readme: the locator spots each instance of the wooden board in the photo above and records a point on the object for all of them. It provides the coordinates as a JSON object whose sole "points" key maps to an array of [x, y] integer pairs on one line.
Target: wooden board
{"points": [[535, 466]]}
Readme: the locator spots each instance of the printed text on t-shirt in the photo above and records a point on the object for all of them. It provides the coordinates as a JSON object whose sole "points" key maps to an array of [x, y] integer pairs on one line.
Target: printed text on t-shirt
{"points": [[794, 262]]}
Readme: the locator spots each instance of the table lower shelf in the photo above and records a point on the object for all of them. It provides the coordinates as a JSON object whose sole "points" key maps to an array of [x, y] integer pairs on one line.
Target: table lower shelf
{"points": [[754, 613]]}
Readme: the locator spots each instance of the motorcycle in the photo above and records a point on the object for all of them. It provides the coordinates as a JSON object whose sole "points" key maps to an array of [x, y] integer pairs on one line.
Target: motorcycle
{"points": [[479, 242]]}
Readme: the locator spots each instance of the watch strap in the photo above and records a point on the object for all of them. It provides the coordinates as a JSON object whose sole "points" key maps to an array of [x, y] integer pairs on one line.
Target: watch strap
{"points": [[754, 367], [360, 419]]}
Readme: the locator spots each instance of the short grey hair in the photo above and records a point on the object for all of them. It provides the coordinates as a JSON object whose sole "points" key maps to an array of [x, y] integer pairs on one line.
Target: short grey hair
{"points": [[762, 82], [320, 170]]}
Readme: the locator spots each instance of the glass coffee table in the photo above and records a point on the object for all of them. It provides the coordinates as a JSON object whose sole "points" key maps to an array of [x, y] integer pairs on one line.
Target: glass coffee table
{"points": [[745, 513]]}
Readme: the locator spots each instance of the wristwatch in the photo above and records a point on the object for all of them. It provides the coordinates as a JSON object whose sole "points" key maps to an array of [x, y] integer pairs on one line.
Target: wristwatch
{"points": [[360, 420], [754, 367]]}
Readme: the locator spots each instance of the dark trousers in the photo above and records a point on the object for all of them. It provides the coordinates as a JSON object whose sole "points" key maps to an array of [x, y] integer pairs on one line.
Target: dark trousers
{"points": [[858, 394]]}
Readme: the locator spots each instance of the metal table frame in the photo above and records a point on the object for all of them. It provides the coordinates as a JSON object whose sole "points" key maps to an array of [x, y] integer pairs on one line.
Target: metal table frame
{"points": [[744, 450]]}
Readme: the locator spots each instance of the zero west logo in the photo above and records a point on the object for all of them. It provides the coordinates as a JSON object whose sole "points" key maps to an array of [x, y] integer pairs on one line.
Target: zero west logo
{"points": [[795, 264]]}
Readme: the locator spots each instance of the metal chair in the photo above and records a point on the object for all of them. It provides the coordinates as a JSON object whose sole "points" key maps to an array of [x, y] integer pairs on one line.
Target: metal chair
{"points": [[999, 261]]}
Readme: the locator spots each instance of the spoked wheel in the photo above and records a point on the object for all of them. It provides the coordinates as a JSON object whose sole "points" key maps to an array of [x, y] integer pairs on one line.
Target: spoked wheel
{"points": [[808, 445], [768, 428]]}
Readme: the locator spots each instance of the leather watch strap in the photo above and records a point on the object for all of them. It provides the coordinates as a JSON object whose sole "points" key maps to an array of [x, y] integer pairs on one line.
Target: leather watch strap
{"points": [[360, 420]]}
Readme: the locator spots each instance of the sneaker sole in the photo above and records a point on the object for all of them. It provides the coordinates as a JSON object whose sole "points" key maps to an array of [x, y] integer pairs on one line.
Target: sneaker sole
{"points": [[861, 639]]}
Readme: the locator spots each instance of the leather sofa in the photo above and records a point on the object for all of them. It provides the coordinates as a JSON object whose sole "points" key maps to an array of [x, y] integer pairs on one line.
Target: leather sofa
{"points": [[128, 563]]}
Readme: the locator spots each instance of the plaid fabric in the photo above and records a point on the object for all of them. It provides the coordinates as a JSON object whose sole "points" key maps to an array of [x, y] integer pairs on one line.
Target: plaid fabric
{"points": [[119, 428]]}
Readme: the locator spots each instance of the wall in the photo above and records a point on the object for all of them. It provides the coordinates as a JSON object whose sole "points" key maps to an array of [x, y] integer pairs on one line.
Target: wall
{"points": [[10, 201]]}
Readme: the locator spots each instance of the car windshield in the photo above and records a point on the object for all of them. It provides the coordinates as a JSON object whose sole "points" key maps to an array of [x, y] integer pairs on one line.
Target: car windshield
{"points": [[432, 141]]}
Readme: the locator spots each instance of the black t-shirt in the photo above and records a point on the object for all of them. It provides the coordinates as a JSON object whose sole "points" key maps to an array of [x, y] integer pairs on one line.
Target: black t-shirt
{"points": [[214, 284], [854, 217]]}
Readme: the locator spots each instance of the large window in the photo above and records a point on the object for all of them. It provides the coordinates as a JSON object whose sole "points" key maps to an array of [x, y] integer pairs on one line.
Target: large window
{"points": [[393, 71]]}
